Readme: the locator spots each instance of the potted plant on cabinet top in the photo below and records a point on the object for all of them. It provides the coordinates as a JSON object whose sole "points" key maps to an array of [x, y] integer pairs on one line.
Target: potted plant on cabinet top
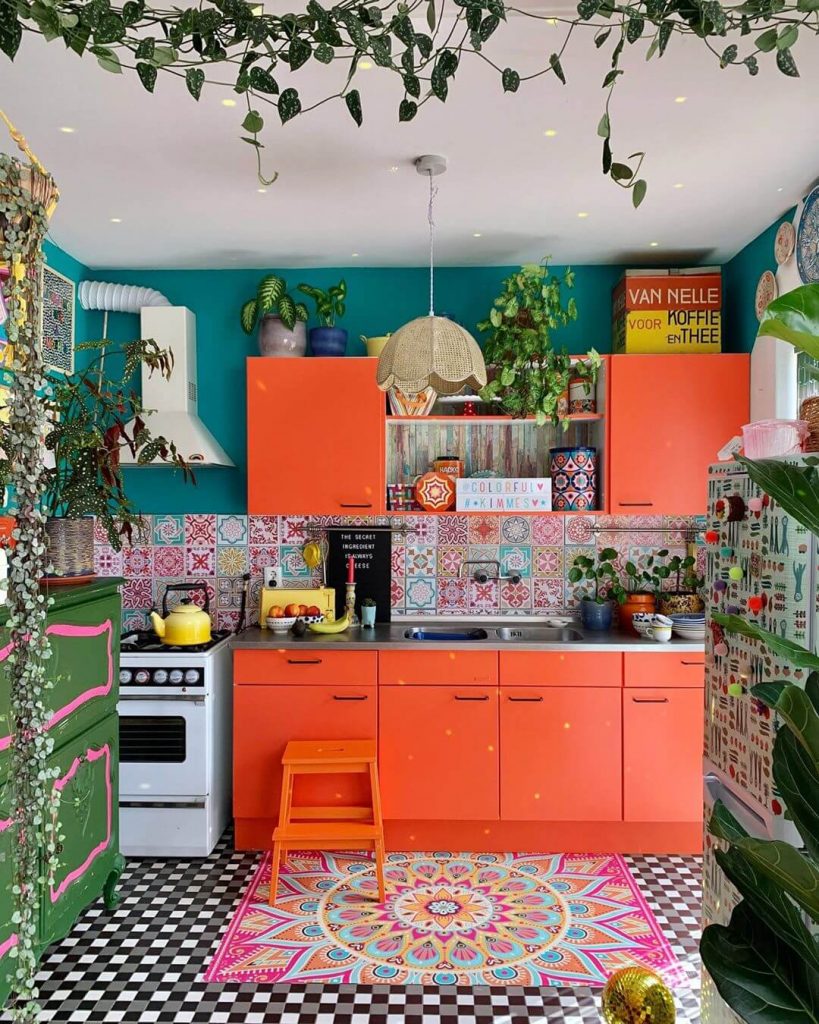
{"points": [[327, 339], [685, 597], [595, 609], [91, 418], [528, 375], [282, 331]]}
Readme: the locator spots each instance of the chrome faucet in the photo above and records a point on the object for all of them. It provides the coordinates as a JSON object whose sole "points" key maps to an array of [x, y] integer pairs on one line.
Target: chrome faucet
{"points": [[484, 577]]}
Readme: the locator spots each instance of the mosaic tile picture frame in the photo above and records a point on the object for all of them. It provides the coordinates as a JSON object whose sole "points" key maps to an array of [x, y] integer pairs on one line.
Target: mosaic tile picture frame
{"points": [[57, 321]]}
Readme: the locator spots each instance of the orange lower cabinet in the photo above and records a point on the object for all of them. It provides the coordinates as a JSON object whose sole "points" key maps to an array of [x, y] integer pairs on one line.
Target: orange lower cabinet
{"points": [[662, 754], [561, 753], [265, 718], [438, 752]]}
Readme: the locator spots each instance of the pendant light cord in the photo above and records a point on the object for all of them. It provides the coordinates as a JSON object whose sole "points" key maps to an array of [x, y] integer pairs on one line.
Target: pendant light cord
{"points": [[433, 191]]}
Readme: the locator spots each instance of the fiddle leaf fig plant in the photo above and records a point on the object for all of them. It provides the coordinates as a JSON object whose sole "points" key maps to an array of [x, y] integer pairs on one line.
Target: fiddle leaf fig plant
{"points": [[272, 297], [330, 304], [531, 377]]}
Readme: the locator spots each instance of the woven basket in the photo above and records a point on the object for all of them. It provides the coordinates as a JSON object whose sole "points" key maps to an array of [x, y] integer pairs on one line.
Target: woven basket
{"points": [[809, 412], [71, 546]]}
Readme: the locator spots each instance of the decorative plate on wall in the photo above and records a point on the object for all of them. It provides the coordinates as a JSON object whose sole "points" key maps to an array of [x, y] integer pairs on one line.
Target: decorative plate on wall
{"points": [[766, 291], [785, 242], [807, 240]]}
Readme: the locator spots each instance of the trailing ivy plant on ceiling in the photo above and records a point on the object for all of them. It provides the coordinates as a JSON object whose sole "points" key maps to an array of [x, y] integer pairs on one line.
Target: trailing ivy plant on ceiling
{"points": [[240, 46]]}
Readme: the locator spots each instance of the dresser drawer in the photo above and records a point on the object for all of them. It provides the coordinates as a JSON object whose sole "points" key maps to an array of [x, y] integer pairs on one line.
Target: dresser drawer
{"points": [[428, 668], [665, 669], [305, 665], [561, 668]]}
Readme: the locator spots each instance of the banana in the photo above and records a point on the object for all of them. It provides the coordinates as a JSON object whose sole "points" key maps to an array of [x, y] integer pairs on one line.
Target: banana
{"points": [[330, 627]]}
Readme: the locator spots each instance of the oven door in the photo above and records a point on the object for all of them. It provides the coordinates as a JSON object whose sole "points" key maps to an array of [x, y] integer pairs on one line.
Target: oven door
{"points": [[163, 752]]}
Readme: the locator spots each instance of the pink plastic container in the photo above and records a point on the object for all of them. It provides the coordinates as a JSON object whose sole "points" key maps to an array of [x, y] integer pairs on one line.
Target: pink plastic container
{"points": [[767, 439]]}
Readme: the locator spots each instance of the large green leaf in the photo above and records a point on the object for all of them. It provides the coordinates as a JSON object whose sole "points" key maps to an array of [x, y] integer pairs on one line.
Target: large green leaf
{"points": [[248, 316], [787, 649], [794, 705], [797, 780], [287, 312], [724, 825], [759, 976], [770, 903], [794, 317], [785, 866], [794, 487], [271, 289]]}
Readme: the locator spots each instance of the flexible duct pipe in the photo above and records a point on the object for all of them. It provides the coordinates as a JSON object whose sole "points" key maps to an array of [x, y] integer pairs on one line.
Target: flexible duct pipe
{"points": [[118, 298]]}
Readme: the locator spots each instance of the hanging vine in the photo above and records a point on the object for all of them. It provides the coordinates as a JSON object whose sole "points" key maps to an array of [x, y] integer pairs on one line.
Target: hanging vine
{"points": [[26, 194], [240, 46]]}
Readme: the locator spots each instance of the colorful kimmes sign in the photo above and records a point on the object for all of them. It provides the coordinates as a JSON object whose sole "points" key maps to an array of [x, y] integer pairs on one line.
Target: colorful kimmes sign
{"points": [[501, 494]]}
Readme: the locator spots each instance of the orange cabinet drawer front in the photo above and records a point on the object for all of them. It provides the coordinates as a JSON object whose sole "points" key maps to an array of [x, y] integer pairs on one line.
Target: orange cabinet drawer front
{"points": [[426, 668], [685, 670], [266, 718], [561, 754], [556, 668], [305, 666], [438, 752], [662, 754]]}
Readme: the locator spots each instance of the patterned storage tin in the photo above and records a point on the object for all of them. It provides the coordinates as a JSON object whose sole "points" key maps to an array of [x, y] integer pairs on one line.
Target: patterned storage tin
{"points": [[574, 479]]}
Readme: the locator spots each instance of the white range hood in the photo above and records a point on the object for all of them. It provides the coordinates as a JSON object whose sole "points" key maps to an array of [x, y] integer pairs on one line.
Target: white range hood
{"points": [[173, 402]]}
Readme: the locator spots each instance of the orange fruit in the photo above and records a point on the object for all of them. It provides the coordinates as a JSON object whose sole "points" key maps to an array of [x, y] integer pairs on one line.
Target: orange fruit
{"points": [[302, 609], [292, 609], [314, 610]]}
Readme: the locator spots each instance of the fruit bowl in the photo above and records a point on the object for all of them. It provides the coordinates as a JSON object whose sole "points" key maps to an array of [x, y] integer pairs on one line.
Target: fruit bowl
{"points": [[281, 624]]}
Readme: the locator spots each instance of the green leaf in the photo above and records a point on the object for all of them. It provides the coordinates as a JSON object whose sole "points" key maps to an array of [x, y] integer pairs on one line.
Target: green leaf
{"points": [[588, 8], [289, 105], [164, 55], [147, 75], [145, 49], [601, 37], [796, 778], [787, 649], [490, 23], [353, 101], [638, 193], [287, 312], [767, 41], [788, 35], [263, 81], [752, 64], [795, 488], [253, 122], [301, 312], [729, 55], [324, 53], [108, 61], [758, 975], [110, 29], [606, 156], [794, 705], [557, 67], [248, 316], [807, 6], [194, 80], [298, 53], [271, 289], [510, 80], [431, 15], [11, 31], [407, 110], [413, 85], [635, 27], [786, 63], [794, 317], [724, 825], [604, 127], [612, 77], [621, 172]]}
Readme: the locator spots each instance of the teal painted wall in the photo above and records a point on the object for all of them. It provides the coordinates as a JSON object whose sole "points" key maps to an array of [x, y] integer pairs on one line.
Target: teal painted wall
{"points": [[380, 300], [739, 279]]}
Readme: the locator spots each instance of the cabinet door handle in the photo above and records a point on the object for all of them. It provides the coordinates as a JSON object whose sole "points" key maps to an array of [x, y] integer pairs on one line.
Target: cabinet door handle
{"points": [[650, 700], [484, 697], [526, 700], [353, 504], [635, 504], [304, 661], [351, 697], [700, 663]]}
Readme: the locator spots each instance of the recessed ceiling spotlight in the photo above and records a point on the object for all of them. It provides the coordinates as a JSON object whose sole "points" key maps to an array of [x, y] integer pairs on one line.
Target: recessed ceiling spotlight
{"points": [[653, 244], [582, 214], [679, 184], [261, 191], [550, 133], [780, 189], [228, 103], [354, 255], [116, 220], [476, 234], [551, 21], [365, 65], [394, 169], [680, 99], [67, 130]]}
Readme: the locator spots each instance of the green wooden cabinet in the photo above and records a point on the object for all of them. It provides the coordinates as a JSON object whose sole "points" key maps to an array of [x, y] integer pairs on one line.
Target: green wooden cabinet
{"points": [[84, 629]]}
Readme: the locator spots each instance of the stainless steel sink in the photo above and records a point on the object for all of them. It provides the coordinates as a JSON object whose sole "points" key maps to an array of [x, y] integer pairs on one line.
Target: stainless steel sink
{"points": [[445, 635], [539, 634]]}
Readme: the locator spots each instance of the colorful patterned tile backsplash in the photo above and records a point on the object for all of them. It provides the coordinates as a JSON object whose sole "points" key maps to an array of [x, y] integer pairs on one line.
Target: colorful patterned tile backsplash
{"points": [[428, 572]]}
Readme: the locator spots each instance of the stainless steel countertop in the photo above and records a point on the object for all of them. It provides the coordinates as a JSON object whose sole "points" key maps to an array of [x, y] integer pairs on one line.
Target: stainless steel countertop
{"points": [[390, 636]]}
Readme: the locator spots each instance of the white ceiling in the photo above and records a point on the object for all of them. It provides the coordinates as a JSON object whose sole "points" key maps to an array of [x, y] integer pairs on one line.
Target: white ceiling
{"points": [[184, 186]]}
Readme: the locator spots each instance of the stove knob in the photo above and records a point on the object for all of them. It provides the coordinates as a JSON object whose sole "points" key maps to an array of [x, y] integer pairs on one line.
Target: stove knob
{"points": [[142, 676], [192, 676], [176, 676], [160, 676], [125, 676]]}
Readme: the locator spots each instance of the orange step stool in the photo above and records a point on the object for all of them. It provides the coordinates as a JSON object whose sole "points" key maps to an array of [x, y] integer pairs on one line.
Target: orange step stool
{"points": [[329, 828]]}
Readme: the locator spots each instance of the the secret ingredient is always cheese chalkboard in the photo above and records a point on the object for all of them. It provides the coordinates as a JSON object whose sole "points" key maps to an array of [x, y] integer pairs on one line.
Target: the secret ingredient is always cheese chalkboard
{"points": [[372, 551]]}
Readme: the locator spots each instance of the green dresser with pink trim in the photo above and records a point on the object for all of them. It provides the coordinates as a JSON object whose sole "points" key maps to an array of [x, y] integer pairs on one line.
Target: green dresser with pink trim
{"points": [[83, 629]]}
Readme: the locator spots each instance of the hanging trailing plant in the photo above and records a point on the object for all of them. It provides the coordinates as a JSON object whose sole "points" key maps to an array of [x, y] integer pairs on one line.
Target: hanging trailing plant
{"points": [[241, 46]]}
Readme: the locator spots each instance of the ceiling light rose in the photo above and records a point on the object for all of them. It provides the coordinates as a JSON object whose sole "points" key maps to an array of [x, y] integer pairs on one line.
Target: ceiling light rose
{"points": [[431, 351]]}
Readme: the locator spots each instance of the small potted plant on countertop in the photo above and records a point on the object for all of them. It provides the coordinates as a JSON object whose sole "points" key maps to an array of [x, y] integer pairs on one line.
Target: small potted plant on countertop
{"points": [[595, 609], [327, 339], [639, 594], [368, 612], [685, 598], [282, 331]]}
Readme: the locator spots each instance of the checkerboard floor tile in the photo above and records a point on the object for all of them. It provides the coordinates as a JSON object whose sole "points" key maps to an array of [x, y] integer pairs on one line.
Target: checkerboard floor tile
{"points": [[144, 962]]}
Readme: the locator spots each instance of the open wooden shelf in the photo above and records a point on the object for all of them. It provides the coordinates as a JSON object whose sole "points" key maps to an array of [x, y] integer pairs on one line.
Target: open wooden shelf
{"points": [[582, 417]]}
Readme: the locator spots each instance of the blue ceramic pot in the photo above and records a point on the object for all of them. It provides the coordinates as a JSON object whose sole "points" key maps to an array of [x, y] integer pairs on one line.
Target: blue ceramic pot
{"points": [[368, 615], [328, 341], [594, 615]]}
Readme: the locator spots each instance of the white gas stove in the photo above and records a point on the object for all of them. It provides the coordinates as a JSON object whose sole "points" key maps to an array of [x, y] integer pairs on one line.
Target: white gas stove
{"points": [[175, 727]]}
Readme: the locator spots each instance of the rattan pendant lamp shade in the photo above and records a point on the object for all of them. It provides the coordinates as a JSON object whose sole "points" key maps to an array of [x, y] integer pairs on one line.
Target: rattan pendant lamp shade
{"points": [[431, 351]]}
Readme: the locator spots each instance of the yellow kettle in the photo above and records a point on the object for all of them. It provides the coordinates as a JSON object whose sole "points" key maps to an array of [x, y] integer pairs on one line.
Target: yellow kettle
{"points": [[186, 625]]}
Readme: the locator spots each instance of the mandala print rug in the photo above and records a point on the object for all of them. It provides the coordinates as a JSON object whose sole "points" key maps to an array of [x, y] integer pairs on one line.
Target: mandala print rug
{"points": [[449, 919]]}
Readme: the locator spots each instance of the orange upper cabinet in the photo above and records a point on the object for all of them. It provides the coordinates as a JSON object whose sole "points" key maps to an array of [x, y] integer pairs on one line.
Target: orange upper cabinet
{"points": [[670, 414], [315, 437]]}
